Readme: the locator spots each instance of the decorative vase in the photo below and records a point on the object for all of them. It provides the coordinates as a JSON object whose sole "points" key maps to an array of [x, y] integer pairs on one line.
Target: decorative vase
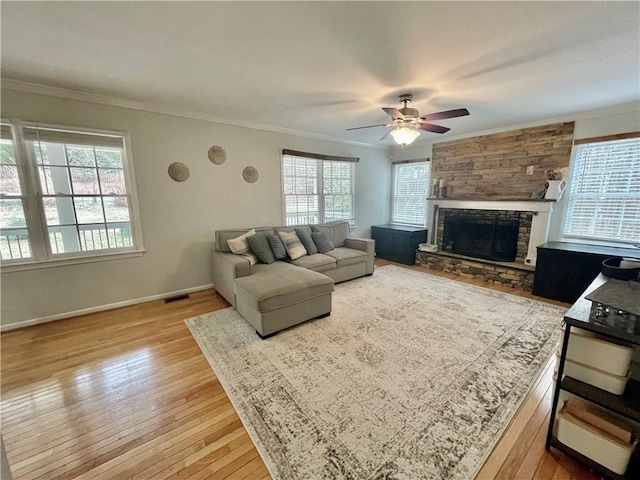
{"points": [[555, 189]]}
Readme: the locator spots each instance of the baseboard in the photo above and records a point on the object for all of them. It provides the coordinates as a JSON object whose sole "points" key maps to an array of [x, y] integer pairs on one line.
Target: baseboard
{"points": [[101, 308]]}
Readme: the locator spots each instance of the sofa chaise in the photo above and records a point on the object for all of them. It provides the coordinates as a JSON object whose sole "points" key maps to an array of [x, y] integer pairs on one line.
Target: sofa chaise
{"points": [[278, 295]]}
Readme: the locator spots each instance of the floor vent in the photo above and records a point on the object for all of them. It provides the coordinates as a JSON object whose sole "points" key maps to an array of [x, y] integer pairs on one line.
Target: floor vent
{"points": [[176, 298]]}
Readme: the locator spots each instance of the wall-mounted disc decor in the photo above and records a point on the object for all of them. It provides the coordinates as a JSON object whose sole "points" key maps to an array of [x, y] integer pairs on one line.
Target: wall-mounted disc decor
{"points": [[217, 155], [250, 175], [178, 172]]}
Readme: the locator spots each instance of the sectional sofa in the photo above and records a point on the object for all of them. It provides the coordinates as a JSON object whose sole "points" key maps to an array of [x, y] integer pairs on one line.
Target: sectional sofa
{"points": [[284, 293]]}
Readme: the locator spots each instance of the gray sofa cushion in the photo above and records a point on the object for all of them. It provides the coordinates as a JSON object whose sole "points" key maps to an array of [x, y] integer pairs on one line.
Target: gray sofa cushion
{"points": [[338, 231], [280, 284], [316, 262], [347, 256]]}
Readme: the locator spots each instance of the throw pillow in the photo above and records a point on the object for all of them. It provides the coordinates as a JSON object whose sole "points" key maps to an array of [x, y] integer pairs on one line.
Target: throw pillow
{"points": [[307, 241], [240, 246], [322, 241], [259, 245], [294, 246], [338, 231], [277, 247]]}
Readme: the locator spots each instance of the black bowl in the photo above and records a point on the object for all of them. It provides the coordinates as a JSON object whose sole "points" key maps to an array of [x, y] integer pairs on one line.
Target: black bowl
{"points": [[611, 268]]}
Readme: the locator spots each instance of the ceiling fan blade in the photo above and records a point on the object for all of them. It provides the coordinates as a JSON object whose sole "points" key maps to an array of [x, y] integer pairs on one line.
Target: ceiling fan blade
{"points": [[369, 126], [429, 127], [459, 112], [386, 135], [394, 112]]}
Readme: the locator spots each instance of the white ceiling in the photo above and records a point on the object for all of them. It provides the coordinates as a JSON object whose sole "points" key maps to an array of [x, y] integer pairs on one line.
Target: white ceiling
{"points": [[321, 67]]}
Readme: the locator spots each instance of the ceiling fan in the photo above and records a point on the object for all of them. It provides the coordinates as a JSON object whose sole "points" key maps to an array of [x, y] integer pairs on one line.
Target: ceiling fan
{"points": [[407, 121]]}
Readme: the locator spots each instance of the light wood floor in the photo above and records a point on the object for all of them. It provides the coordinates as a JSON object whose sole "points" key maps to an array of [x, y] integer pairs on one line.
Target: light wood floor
{"points": [[128, 394]]}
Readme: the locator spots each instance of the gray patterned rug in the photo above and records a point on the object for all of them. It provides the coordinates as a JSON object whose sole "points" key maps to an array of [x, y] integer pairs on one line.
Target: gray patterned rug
{"points": [[412, 376]]}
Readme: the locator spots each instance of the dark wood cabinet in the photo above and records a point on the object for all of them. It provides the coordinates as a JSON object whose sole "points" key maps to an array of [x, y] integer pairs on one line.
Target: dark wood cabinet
{"points": [[565, 269], [398, 243]]}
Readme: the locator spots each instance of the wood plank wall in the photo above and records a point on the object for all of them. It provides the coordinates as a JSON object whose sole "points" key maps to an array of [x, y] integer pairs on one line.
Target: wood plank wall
{"points": [[494, 166]]}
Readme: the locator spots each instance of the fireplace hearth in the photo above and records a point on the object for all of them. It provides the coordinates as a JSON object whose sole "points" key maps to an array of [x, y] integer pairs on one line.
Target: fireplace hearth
{"points": [[490, 235]]}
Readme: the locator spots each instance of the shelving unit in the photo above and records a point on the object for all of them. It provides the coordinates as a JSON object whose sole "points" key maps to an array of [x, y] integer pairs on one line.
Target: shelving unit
{"points": [[627, 405]]}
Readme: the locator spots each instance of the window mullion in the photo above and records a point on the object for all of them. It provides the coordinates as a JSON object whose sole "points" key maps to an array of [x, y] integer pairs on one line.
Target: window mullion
{"points": [[320, 184], [33, 206]]}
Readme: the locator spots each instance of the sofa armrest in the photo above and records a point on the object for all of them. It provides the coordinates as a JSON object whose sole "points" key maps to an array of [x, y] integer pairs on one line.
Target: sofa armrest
{"points": [[366, 245], [226, 268]]}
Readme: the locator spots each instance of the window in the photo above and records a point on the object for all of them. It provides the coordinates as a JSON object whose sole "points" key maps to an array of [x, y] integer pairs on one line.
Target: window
{"points": [[14, 236], [65, 194], [604, 196], [317, 188], [410, 192]]}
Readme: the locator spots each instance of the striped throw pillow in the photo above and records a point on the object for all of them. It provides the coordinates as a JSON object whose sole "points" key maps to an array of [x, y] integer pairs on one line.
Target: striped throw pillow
{"points": [[277, 247], [322, 241], [294, 246]]}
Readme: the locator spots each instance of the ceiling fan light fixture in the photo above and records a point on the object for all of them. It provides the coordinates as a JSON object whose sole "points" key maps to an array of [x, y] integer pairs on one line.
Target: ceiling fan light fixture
{"points": [[404, 135]]}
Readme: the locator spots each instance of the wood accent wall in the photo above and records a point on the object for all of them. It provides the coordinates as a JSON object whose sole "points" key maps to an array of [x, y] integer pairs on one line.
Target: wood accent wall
{"points": [[495, 166]]}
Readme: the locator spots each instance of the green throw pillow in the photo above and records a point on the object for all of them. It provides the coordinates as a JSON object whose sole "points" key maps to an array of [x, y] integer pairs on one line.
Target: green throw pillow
{"points": [[260, 247], [305, 237]]}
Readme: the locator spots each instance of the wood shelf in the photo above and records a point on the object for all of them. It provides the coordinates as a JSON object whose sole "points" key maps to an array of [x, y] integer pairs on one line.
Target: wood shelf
{"points": [[627, 404]]}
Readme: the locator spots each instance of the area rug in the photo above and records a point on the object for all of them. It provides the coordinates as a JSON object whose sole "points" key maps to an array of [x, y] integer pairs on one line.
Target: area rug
{"points": [[412, 376]]}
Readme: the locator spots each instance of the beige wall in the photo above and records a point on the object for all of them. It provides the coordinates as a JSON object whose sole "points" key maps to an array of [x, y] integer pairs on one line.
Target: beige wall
{"points": [[178, 219]]}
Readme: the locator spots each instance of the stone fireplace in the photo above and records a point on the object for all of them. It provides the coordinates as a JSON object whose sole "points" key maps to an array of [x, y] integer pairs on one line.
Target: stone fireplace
{"points": [[491, 235], [494, 175], [499, 244]]}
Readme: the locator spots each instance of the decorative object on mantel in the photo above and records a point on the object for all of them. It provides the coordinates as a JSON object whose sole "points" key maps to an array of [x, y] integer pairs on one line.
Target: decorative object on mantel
{"points": [[250, 174], [539, 192], [556, 183], [363, 414], [217, 155], [434, 188], [178, 172], [442, 190]]}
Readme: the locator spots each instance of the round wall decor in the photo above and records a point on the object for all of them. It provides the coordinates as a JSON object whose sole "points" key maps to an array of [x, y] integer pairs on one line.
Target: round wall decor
{"points": [[217, 155], [250, 175], [178, 172]]}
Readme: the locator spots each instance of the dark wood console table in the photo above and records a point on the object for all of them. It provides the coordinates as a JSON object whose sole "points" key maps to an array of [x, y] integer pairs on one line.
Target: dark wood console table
{"points": [[398, 243], [628, 405]]}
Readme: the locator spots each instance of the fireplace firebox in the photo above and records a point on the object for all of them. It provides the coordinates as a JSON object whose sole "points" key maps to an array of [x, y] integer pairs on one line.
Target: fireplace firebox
{"points": [[482, 234]]}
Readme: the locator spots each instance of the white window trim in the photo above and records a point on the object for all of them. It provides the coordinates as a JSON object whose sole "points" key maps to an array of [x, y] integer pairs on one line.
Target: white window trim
{"points": [[564, 211], [36, 225], [394, 169], [352, 222]]}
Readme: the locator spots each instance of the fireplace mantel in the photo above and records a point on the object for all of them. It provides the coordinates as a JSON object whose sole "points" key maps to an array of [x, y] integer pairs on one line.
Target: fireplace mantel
{"points": [[541, 209]]}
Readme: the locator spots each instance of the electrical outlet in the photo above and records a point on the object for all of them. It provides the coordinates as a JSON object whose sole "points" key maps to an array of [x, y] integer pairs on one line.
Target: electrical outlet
{"points": [[530, 170]]}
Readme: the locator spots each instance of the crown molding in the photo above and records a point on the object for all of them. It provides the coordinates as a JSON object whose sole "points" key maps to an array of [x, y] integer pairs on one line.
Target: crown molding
{"points": [[81, 96]]}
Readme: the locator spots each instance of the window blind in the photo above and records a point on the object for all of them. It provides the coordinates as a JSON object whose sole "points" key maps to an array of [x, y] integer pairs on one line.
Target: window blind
{"points": [[317, 190], [35, 134], [5, 132], [604, 196], [411, 188]]}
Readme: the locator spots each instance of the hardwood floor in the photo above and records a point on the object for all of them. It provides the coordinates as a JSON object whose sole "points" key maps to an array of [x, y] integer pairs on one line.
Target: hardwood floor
{"points": [[128, 394]]}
